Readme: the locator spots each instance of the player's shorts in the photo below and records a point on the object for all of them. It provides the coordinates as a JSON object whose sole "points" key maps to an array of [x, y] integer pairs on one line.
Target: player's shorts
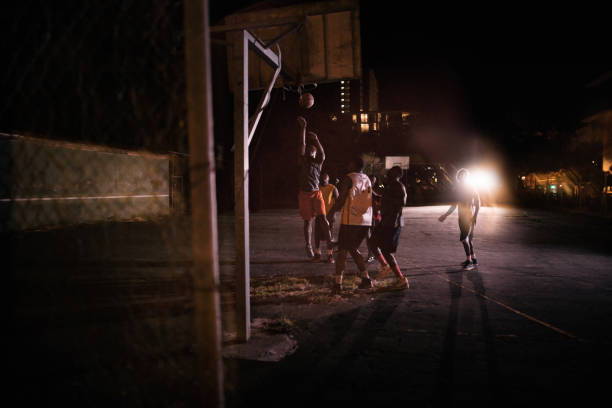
{"points": [[466, 229], [387, 238], [351, 236], [311, 204]]}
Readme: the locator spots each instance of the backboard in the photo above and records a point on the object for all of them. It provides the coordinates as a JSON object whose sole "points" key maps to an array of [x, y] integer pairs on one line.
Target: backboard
{"points": [[320, 42], [402, 161]]}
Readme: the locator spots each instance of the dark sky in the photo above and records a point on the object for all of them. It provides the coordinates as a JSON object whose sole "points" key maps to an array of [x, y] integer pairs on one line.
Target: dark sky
{"points": [[490, 64], [485, 66]]}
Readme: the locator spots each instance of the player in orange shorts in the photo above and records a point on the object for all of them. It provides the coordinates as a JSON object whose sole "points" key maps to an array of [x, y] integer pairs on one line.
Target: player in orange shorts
{"points": [[312, 206]]}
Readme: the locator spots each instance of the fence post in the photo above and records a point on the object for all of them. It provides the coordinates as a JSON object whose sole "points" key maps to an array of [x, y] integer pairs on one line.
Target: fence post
{"points": [[204, 204]]}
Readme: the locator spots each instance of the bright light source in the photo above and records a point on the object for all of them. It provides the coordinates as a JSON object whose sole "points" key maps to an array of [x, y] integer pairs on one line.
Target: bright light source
{"points": [[522, 177], [484, 180]]}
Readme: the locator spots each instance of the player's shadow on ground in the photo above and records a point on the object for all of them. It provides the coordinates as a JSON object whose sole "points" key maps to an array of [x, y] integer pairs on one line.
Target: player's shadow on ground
{"points": [[338, 359], [445, 381]]}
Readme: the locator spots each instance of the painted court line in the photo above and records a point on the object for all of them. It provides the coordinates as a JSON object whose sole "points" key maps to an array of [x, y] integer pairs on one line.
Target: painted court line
{"points": [[513, 310]]}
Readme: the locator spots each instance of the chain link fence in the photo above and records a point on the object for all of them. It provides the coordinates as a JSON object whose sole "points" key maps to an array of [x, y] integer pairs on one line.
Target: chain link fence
{"points": [[94, 200]]}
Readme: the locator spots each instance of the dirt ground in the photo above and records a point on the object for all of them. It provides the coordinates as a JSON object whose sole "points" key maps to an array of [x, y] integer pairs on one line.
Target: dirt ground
{"points": [[102, 316]]}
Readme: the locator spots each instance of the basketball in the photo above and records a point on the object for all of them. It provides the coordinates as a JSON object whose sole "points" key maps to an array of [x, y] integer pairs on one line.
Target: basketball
{"points": [[306, 100]]}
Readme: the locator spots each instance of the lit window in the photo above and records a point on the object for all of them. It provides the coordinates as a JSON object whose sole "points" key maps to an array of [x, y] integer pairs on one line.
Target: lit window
{"points": [[354, 118], [341, 82], [341, 93], [342, 106], [405, 115], [365, 127], [341, 99], [364, 117], [341, 87], [374, 126]]}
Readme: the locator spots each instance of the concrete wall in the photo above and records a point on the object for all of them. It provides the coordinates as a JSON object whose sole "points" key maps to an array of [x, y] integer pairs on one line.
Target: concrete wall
{"points": [[50, 183]]}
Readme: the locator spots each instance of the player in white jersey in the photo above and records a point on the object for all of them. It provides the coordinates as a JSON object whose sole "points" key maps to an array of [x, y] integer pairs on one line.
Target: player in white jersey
{"points": [[355, 200]]}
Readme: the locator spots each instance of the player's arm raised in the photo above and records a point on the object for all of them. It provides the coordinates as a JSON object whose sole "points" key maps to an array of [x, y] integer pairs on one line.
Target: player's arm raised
{"points": [[314, 139], [301, 138]]}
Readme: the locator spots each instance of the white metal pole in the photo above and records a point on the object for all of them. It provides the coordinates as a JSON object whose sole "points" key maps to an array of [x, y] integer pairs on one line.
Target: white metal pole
{"points": [[240, 56]]}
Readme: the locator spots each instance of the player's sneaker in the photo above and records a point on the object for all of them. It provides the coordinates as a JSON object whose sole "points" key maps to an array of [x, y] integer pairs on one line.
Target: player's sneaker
{"points": [[366, 283], [330, 259], [384, 272], [309, 252], [401, 283], [474, 261], [467, 265]]}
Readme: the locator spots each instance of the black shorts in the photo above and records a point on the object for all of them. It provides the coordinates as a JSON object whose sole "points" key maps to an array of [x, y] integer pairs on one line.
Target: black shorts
{"points": [[387, 238], [466, 229], [351, 236]]}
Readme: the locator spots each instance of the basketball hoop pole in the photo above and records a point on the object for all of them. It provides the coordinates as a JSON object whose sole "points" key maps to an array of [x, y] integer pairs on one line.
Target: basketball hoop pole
{"points": [[241, 42]]}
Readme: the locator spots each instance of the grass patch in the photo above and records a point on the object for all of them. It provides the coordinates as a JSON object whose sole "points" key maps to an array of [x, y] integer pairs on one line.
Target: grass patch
{"points": [[282, 325], [314, 290]]}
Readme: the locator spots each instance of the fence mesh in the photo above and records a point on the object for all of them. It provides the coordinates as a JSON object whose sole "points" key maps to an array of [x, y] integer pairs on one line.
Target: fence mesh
{"points": [[93, 197]]}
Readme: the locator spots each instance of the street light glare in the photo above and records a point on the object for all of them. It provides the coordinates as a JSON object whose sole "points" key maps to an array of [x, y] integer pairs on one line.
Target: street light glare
{"points": [[484, 180]]}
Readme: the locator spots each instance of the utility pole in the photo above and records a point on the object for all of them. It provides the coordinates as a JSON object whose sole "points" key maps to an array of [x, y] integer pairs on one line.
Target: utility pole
{"points": [[204, 204]]}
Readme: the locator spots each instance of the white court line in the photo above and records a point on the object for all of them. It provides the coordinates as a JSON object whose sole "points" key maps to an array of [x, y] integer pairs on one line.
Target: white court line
{"points": [[6, 200], [513, 310]]}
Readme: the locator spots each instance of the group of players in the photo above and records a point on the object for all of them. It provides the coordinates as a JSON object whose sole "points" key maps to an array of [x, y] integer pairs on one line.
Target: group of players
{"points": [[319, 201]]}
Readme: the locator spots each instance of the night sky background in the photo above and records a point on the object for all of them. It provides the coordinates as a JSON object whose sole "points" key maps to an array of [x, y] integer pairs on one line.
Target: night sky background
{"points": [[492, 67]]}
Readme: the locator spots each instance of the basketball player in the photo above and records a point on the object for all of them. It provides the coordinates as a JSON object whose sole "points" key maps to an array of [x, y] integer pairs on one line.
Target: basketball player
{"points": [[386, 234], [310, 199], [330, 194], [468, 201], [355, 200]]}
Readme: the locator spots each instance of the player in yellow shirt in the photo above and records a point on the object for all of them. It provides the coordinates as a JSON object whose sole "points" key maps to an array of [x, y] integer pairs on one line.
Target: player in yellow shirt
{"points": [[330, 194]]}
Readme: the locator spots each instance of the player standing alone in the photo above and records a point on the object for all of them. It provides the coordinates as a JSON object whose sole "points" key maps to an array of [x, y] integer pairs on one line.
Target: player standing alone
{"points": [[468, 201]]}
